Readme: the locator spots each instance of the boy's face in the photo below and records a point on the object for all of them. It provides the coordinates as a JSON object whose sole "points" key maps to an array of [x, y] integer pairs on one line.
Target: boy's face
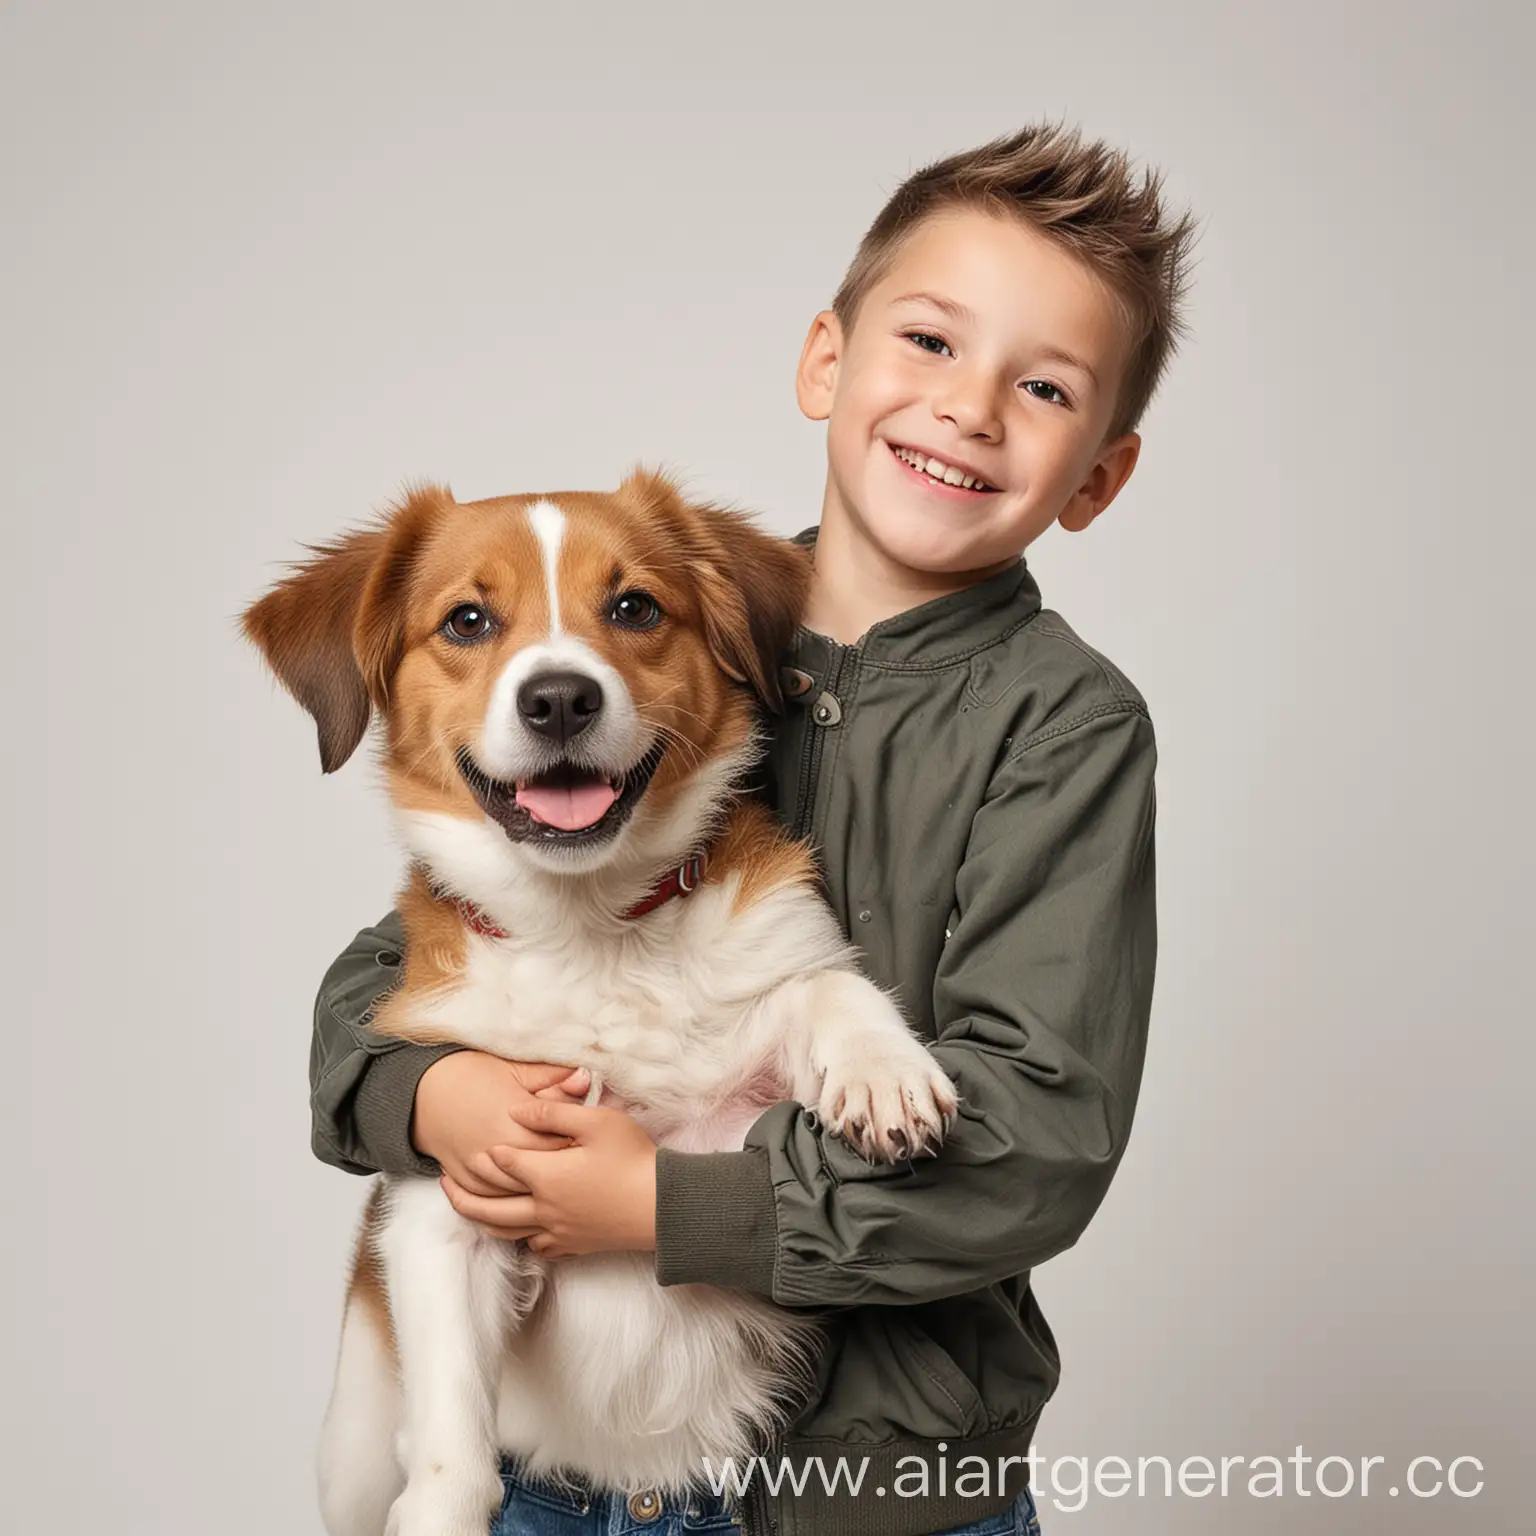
{"points": [[992, 350]]}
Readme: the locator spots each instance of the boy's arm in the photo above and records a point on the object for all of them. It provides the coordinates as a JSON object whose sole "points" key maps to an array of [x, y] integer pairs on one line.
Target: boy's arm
{"points": [[1041, 1002], [362, 1086]]}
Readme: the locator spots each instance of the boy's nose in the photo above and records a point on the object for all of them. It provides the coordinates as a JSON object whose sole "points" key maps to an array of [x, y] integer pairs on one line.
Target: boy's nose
{"points": [[970, 405]]}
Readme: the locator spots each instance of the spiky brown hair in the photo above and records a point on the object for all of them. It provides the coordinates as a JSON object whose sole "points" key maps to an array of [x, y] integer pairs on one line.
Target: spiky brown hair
{"points": [[1088, 199]]}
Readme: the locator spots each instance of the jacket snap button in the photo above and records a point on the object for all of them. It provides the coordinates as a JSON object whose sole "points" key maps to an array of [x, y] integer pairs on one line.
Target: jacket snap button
{"points": [[827, 711], [645, 1506], [387, 957], [794, 682], [865, 915]]}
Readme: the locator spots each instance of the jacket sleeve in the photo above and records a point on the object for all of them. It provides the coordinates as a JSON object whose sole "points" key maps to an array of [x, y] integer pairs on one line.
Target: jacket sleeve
{"points": [[1041, 1002], [362, 1086]]}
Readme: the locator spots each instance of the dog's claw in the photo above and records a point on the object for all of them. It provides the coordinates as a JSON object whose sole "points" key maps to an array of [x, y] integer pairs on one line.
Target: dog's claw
{"points": [[888, 1104]]}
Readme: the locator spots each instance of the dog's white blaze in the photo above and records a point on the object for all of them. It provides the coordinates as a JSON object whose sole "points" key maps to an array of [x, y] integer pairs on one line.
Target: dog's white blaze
{"points": [[548, 524]]}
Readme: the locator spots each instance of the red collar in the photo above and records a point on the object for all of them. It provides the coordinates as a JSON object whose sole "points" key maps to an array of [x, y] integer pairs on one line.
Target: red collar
{"points": [[676, 882]]}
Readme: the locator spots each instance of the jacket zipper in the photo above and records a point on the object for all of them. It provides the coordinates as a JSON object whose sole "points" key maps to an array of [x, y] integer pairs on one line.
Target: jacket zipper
{"points": [[757, 1501], [757, 1510], [810, 764]]}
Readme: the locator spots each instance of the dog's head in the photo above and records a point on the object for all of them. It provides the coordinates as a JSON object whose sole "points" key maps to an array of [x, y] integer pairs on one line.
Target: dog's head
{"points": [[549, 668]]}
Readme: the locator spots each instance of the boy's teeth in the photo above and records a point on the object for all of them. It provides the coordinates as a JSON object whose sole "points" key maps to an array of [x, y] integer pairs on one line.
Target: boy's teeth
{"points": [[938, 469]]}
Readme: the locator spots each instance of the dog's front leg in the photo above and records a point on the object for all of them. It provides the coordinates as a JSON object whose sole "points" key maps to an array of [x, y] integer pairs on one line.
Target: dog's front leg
{"points": [[453, 1294], [851, 1057]]}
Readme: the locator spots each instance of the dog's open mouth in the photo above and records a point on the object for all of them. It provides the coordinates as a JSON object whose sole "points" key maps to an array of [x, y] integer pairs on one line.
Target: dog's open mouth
{"points": [[567, 803]]}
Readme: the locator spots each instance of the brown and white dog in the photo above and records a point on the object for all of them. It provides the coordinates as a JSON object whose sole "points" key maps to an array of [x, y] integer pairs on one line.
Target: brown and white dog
{"points": [[569, 687]]}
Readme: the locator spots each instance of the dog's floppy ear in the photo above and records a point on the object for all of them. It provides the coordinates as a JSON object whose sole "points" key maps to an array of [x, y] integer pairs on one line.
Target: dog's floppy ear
{"points": [[753, 593], [334, 630], [752, 585]]}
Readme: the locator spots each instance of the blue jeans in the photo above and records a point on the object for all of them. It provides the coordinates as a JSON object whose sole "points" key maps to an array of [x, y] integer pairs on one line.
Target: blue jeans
{"points": [[532, 1507]]}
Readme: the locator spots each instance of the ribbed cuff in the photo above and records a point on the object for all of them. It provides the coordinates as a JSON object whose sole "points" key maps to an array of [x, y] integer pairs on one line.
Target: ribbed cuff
{"points": [[715, 1220], [385, 1100]]}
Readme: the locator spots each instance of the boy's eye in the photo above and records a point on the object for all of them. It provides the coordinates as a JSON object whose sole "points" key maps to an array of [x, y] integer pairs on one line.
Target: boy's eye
{"points": [[1054, 397], [929, 342]]}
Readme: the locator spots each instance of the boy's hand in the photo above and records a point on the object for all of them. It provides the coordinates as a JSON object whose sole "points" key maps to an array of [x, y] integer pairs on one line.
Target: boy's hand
{"points": [[593, 1190], [462, 1110]]}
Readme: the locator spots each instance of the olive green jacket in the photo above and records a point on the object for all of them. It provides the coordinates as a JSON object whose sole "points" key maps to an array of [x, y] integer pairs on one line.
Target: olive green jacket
{"points": [[978, 784]]}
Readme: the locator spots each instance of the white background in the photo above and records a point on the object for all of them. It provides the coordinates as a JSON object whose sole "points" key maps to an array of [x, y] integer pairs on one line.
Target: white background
{"points": [[261, 264]]}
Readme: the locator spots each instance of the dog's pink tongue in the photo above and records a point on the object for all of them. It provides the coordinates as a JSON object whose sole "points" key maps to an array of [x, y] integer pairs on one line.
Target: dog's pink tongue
{"points": [[569, 807]]}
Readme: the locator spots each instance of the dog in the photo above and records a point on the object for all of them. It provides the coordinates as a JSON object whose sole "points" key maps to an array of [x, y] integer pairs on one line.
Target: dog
{"points": [[572, 688]]}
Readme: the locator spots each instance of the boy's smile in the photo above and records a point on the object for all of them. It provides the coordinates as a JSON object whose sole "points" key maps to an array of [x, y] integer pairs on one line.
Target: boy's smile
{"points": [[939, 475], [967, 407]]}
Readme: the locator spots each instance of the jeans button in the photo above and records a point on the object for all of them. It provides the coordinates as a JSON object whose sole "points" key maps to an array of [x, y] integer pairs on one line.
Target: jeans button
{"points": [[645, 1506]]}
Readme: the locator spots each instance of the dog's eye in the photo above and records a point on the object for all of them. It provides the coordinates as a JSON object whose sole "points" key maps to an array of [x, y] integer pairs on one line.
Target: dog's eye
{"points": [[467, 622], [635, 610]]}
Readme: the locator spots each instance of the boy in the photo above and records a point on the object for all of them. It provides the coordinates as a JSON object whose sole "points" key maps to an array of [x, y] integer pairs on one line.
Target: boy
{"points": [[978, 785]]}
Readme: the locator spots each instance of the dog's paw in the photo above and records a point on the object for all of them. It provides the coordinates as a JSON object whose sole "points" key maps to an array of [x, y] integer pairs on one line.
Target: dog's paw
{"points": [[890, 1102], [446, 1503]]}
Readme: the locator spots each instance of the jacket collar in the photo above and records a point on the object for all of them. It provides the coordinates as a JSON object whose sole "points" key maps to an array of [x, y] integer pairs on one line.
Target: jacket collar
{"points": [[942, 630]]}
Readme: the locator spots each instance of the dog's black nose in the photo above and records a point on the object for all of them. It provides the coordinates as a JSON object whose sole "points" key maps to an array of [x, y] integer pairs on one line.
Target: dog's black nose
{"points": [[560, 705]]}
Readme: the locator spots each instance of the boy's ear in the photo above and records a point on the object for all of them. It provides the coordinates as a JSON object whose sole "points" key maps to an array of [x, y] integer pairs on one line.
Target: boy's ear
{"points": [[333, 631], [752, 585], [1102, 483], [816, 377]]}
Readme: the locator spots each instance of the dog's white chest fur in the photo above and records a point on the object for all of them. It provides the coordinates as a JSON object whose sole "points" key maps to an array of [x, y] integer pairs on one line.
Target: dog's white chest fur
{"points": [[688, 1023], [696, 1020], [665, 1013]]}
